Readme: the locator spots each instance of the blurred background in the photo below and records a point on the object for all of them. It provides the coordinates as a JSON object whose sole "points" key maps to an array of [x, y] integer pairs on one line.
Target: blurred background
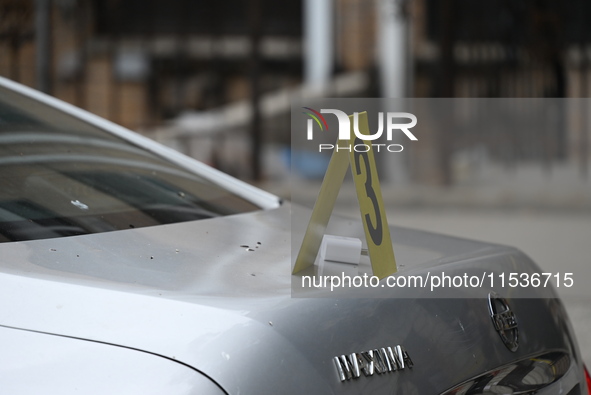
{"points": [[215, 79]]}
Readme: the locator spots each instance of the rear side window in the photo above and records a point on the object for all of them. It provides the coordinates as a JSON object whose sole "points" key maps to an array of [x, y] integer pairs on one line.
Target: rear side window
{"points": [[60, 176]]}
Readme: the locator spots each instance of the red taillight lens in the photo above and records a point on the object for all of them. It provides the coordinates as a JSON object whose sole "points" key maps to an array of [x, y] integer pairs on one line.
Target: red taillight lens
{"points": [[588, 380]]}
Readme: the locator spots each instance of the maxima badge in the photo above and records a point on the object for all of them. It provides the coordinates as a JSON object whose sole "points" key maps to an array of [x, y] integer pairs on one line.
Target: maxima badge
{"points": [[504, 320], [381, 361]]}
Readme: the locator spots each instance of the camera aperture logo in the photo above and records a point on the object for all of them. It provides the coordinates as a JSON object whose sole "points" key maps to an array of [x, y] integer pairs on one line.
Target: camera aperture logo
{"points": [[392, 121]]}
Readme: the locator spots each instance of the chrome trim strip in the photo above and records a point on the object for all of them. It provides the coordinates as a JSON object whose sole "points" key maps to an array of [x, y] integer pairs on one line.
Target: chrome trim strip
{"points": [[525, 376]]}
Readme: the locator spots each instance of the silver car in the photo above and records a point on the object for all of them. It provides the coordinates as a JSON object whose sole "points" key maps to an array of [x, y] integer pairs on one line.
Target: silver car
{"points": [[128, 268]]}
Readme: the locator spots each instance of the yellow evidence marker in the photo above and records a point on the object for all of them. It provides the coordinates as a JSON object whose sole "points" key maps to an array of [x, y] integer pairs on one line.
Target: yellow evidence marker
{"points": [[369, 195]]}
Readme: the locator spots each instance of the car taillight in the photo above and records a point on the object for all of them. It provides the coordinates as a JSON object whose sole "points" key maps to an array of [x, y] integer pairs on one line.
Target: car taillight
{"points": [[588, 380]]}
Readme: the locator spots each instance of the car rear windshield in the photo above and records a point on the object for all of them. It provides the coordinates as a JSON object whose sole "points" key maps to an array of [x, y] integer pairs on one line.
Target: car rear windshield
{"points": [[60, 176]]}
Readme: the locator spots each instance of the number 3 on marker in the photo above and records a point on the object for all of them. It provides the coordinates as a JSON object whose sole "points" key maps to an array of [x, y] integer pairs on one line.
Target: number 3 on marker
{"points": [[369, 195], [375, 232]]}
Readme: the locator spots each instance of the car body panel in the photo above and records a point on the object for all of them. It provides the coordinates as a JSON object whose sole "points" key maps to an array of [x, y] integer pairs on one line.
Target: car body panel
{"points": [[215, 296], [36, 363], [228, 312]]}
